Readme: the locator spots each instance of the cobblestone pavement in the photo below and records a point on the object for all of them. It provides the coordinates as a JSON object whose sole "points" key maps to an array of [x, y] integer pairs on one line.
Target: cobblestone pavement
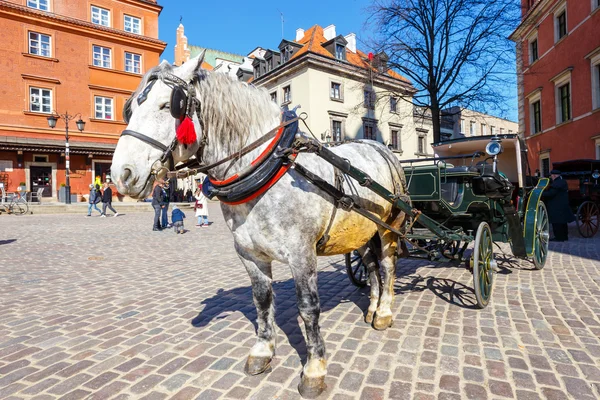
{"points": [[101, 308]]}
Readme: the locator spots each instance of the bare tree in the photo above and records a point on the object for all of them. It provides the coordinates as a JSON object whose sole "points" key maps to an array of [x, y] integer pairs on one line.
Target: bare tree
{"points": [[455, 52]]}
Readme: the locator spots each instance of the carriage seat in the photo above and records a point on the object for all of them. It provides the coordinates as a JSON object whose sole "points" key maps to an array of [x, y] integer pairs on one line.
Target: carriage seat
{"points": [[493, 185], [463, 169]]}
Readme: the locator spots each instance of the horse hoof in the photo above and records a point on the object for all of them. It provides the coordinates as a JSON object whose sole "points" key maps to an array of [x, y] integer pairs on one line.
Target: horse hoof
{"points": [[257, 365], [369, 317], [382, 323], [311, 388]]}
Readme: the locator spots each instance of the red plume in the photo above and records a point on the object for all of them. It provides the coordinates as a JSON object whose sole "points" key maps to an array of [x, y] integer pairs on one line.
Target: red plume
{"points": [[370, 56], [186, 133]]}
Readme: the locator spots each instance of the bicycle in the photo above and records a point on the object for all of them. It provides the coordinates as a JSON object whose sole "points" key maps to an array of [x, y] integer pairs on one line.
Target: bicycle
{"points": [[17, 205]]}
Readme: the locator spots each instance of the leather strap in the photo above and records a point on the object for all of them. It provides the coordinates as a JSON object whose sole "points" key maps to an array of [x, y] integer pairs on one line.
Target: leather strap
{"points": [[146, 139]]}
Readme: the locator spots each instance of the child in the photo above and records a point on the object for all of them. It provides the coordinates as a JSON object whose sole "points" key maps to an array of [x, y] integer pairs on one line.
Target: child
{"points": [[177, 217], [201, 208]]}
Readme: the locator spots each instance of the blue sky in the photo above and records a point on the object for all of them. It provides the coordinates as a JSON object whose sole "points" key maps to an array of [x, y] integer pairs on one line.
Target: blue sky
{"points": [[240, 26]]}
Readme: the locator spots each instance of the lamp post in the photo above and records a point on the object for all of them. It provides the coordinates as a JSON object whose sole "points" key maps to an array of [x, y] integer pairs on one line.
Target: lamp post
{"points": [[80, 125]]}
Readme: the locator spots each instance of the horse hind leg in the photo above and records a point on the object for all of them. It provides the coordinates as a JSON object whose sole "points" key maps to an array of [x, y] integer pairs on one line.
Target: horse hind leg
{"points": [[263, 350], [312, 382], [369, 257], [389, 243]]}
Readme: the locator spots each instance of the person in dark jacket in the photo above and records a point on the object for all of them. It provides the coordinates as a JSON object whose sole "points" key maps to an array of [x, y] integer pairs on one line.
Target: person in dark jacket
{"points": [[556, 197], [158, 203], [107, 200], [165, 209], [94, 199], [177, 217]]}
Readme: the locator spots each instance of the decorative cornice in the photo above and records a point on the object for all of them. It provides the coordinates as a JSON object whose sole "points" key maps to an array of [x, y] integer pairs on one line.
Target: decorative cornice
{"points": [[40, 78], [79, 25], [110, 89], [561, 74]]}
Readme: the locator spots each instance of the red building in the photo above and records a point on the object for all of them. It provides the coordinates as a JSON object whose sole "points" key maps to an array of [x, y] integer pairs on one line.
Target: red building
{"points": [[558, 66], [76, 57]]}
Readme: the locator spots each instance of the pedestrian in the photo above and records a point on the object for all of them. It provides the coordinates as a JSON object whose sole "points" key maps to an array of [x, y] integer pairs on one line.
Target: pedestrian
{"points": [[556, 197], [201, 208], [98, 182], [107, 200], [158, 204], [189, 196], [166, 199], [177, 217], [93, 200]]}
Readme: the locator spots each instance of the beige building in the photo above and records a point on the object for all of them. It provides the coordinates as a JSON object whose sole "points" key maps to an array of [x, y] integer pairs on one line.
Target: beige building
{"points": [[467, 123]]}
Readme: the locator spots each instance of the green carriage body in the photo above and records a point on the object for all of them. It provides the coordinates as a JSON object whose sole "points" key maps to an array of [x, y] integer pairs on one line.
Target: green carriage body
{"points": [[446, 189]]}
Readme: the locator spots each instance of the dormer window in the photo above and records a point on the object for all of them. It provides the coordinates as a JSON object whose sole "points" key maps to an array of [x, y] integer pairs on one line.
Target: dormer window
{"points": [[287, 49], [337, 47], [340, 51]]}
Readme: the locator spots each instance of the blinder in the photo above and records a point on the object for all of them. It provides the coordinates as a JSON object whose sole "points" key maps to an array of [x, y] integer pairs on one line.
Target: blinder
{"points": [[178, 105]]}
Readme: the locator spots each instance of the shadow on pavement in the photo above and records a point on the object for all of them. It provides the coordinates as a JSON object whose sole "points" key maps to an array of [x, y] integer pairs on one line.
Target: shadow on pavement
{"points": [[7, 241]]}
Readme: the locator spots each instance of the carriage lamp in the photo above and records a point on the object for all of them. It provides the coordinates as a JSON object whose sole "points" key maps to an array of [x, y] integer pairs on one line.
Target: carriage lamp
{"points": [[52, 119], [596, 174], [493, 148]]}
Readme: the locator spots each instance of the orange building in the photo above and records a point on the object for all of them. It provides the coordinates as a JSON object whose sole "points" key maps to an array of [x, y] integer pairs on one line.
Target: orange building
{"points": [[558, 63], [62, 56]]}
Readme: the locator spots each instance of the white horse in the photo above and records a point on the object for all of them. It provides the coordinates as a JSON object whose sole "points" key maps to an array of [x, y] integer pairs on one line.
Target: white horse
{"points": [[283, 224]]}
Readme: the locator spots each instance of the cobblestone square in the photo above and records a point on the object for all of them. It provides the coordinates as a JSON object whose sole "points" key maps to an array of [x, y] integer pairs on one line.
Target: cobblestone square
{"points": [[102, 308]]}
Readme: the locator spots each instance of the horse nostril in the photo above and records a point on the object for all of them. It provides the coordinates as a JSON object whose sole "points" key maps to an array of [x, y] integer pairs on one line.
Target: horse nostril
{"points": [[126, 175]]}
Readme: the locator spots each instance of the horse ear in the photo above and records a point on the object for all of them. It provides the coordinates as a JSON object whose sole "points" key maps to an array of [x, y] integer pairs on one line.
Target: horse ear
{"points": [[190, 68]]}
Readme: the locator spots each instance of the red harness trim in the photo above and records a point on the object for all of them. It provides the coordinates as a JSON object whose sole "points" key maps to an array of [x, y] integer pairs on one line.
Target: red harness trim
{"points": [[267, 186], [259, 159]]}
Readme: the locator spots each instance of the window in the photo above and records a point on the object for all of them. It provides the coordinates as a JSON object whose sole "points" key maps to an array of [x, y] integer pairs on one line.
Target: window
{"points": [[336, 91], [133, 63], [510, 131], [536, 117], [492, 129], [369, 101], [100, 16], [39, 4], [533, 50], [595, 4], [103, 107], [564, 106], [545, 166], [340, 51], [421, 145], [395, 139], [39, 44], [287, 94], [37, 158], [40, 100], [336, 130], [502, 131], [274, 97], [472, 128], [132, 24], [560, 24], [483, 129], [393, 104], [368, 131], [102, 56], [596, 82], [462, 126]]}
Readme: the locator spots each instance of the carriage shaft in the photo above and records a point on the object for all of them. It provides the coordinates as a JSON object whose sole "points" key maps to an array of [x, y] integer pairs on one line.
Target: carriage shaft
{"points": [[365, 180]]}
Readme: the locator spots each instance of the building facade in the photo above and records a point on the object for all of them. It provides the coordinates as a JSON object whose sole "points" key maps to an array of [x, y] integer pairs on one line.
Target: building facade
{"points": [[558, 66], [62, 56], [463, 122]]}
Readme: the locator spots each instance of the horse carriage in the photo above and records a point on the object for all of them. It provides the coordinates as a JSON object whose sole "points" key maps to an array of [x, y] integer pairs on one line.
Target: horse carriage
{"points": [[183, 120], [467, 200], [582, 177]]}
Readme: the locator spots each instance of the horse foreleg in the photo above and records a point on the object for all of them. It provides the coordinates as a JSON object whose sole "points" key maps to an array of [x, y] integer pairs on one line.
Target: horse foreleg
{"points": [[263, 350], [370, 259], [313, 375], [383, 315]]}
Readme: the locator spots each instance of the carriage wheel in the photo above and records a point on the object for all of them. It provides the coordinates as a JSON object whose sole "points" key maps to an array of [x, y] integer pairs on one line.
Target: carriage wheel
{"points": [[541, 236], [483, 260], [357, 269], [588, 217]]}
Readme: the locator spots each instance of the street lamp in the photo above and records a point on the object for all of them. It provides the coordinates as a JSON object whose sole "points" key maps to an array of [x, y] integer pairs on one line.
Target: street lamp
{"points": [[80, 125]]}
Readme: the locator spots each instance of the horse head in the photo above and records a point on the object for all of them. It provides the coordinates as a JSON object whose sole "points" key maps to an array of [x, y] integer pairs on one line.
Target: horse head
{"points": [[149, 146]]}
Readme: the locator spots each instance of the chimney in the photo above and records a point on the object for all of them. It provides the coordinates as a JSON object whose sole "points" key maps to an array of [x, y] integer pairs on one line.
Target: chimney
{"points": [[351, 39], [329, 32], [299, 34]]}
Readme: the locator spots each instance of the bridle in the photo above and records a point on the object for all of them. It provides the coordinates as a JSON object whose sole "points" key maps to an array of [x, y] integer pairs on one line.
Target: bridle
{"points": [[184, 102]]}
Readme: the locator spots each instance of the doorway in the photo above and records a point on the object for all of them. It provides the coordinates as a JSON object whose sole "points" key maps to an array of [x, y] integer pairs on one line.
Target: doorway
{"points": [[41, 177]]}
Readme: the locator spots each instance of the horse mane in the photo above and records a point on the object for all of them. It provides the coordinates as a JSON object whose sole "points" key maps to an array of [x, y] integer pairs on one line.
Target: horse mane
{"points": [[232, 111]]}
